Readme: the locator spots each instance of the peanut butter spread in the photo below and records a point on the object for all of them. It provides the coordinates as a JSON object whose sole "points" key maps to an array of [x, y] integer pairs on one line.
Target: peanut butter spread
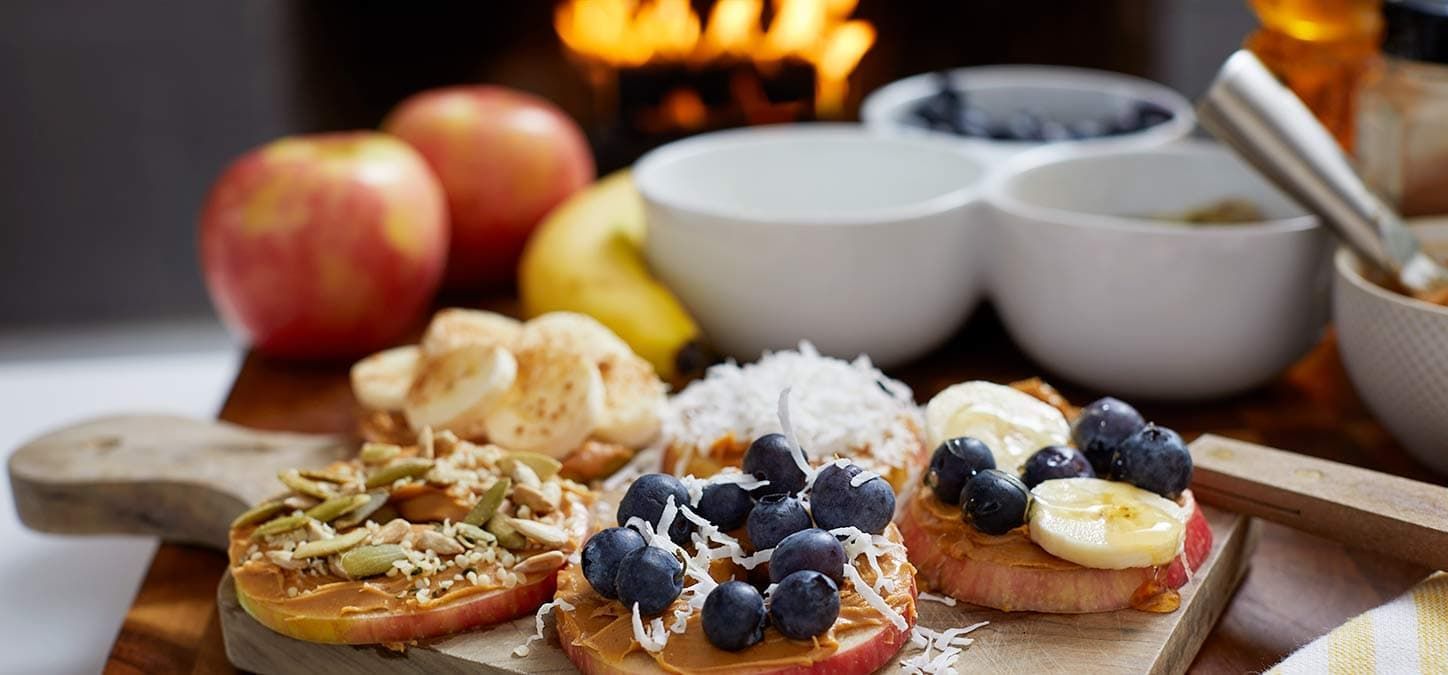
{"points": [[952, 536]]}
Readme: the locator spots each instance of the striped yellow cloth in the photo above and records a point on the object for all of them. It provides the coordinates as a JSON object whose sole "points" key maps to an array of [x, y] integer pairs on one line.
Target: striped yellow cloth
{"points": [[1407, 635]]}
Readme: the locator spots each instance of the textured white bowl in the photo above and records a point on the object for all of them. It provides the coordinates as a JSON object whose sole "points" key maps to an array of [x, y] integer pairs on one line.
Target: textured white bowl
{"points": [[1395, 349], [1151, 309], [1058, 92], [860, 242]]}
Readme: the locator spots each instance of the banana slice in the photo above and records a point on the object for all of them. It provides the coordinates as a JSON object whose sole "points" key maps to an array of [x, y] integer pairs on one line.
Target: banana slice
{"points": [[380, 381], [573, 333], [1012, 423], [634, 400], [556, 402], [454, 327], [1106, 524], [455, 389]]}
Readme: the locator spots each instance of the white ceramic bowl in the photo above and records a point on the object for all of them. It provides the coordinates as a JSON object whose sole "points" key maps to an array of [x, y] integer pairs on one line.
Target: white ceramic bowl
{"points": [[1058, 92], [860, 242], [1395, 349], [1153, 309]]}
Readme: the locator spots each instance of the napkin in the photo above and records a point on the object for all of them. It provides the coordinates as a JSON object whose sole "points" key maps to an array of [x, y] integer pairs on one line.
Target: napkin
{"points": [[1407, 635]]}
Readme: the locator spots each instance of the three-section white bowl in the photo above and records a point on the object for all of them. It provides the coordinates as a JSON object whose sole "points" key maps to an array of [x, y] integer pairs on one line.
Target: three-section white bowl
{"points": [[1099, 293], [861, 242]]}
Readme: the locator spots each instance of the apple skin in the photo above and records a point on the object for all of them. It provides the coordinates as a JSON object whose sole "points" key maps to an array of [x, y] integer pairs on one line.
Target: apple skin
{"points": [[1076, 590], [505, 158], [324, 246]]}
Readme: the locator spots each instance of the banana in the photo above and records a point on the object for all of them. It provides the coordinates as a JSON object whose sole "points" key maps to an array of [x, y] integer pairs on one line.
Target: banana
{"points": [[586, 256], [381, 380], [455, 389], [634, 400], [555, 403], [1105, 524], [454, 327], [574, 333], [1013, 424]]}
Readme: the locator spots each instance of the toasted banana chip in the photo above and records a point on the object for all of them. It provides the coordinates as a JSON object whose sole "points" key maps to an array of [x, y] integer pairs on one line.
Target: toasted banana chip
{"points": [[455, 327], [634, 401], [553, 406], [572, 333], [455, 389], [381, 381]]}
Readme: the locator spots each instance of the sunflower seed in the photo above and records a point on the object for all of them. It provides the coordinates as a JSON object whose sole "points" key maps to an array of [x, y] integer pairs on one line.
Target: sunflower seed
{"points": [[543, 466], [543, 562], [293, 480], [439, 543], [258, 513], [393, 532], [542, 533], [522, 473], [375, 501], [403, 468], [379, 453], [474, 536], [337, 507], [280, 524], [337, 544], [488, 503], [370, 561], [539, 500], [284, 560], [501, 527], [425, 445]]}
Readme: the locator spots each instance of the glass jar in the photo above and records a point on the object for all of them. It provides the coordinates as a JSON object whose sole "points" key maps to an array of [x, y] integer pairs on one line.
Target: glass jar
{"points": [[1402, 122]]}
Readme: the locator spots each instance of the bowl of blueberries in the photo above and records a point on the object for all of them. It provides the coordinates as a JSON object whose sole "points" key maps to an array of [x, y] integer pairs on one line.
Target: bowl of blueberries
{"points": [[996, 112]]}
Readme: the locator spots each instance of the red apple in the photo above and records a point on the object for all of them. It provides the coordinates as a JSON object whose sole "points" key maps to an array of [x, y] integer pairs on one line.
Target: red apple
{"points": [[328, 245], [505, 158], [1018, 576]]}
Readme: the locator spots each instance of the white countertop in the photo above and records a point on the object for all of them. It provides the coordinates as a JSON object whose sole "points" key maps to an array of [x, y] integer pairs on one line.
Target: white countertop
{"points": [[63, 598]]}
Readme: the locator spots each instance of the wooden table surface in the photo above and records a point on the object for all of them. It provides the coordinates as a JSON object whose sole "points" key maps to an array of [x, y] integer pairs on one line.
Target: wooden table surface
{"points": [[1299, 586]]}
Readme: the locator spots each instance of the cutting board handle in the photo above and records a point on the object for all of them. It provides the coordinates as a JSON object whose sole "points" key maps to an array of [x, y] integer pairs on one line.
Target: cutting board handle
{"points": [[1402, 518], [178, 478]]}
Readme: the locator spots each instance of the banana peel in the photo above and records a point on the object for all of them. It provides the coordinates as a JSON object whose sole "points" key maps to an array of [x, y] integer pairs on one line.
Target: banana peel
{"points": [[587, 256]]}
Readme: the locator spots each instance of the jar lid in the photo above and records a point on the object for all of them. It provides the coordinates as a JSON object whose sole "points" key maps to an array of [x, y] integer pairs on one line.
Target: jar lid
{"points": [[1416, 29]]}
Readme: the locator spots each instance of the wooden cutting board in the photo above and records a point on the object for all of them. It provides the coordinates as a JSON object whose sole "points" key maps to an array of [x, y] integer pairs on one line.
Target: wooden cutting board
{"points": [[184, 480]]}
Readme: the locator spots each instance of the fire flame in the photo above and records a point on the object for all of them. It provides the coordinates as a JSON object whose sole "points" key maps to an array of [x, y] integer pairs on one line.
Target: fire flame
{"points": [[631, 33]]}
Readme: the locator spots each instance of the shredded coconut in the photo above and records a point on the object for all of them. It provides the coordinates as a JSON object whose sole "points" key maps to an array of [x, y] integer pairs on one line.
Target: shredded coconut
{"points": [[653, 639], [942, 599], [950, 644], [873, 599], [538, 623]]}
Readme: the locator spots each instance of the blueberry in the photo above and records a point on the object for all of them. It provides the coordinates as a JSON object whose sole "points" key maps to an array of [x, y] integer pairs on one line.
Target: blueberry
{"points": [[1055, 461], [836, 503], [953, 463], [1101, 428], [804, 604], [725, 504], [812, 549], [771, 458], [650, 577], [995, 502], [774, 518], [734, 616], [646, 499], [1156, 459], [602, 554]]}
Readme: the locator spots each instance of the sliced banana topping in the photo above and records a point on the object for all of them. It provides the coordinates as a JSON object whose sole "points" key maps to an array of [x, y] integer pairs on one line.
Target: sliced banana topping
{"points": [[555, 404], [1106, 524], [455, 389], [381, 381], [1012, 423], [572, 332], [634, 400], [457, 327]]}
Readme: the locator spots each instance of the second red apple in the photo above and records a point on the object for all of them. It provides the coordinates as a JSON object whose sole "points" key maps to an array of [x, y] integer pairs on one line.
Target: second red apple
{"points": [[504, 158]]}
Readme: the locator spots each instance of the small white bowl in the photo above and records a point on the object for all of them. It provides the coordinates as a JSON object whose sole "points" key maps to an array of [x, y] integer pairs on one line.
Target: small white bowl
{"points": [[1061, 93], [860, 242], [1148, 308], [1395, 349]]}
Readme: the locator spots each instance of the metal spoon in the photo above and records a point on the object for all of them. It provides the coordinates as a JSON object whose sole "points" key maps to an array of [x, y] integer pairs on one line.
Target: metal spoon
{"points": [[1267, 125]]}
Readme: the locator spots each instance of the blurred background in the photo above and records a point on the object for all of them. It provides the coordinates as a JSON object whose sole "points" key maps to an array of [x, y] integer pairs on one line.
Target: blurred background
{"points": [[120, 115]]}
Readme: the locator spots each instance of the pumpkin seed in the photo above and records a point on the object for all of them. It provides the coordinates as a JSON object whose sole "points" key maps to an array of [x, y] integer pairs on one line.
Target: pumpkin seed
{"points": [[501, 527], [488, 503], [337, 544], [294, 481], [258, 513], [542, 533], [544, 466], [474, 536], [370, 561], [324, 476], [279, 525], [376, 499], [378, 453], [411, 467], [337, 507]]}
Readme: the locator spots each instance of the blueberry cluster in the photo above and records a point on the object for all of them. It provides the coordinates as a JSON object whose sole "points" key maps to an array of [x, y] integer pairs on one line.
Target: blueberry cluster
{"points": [[1112, 442], [806, 567], [949, 109]]}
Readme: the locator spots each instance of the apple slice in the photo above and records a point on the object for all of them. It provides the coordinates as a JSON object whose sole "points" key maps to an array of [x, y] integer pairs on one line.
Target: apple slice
{"points": [[1011, 573]]}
